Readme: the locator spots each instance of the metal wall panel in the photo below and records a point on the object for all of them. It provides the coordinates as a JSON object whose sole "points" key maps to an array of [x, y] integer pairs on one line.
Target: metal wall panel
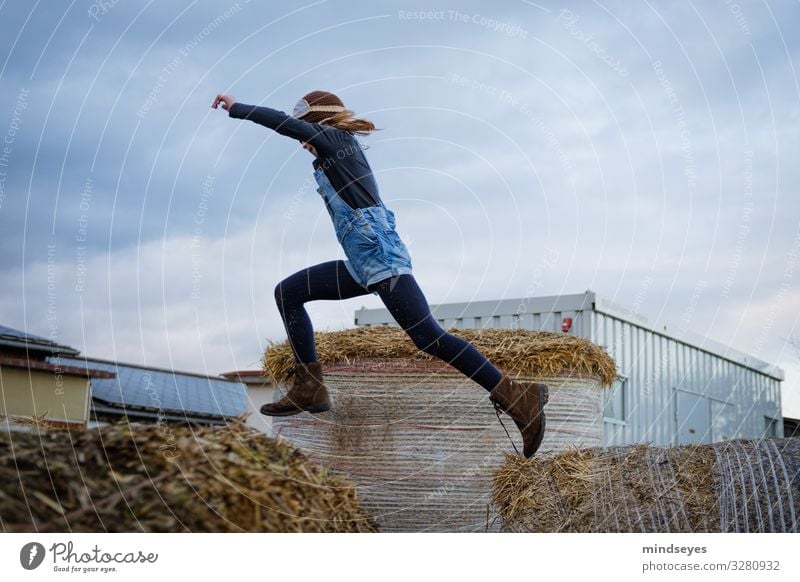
{"points": [[735, 399], [693, 419]]}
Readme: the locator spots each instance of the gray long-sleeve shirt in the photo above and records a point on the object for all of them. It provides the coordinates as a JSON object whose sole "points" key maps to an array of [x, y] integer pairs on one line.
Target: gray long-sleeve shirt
{"points": [[339, 153]]}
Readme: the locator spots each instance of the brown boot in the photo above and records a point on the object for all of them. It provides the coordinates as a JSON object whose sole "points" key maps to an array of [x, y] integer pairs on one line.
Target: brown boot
{"points": [[308, 393], [524, 403]]}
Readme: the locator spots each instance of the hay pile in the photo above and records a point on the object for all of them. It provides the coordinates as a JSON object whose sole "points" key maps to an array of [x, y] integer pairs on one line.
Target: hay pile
{"points": [[515, 351], [40, 421], [732, 486], [168, 478]]}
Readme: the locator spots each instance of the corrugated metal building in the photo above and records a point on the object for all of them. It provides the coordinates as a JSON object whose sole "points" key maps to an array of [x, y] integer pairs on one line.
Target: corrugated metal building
{"points": [[675, 387]]}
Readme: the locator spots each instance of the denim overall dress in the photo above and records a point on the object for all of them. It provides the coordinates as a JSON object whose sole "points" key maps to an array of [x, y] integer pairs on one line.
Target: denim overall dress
{"points": [[373, 248]]}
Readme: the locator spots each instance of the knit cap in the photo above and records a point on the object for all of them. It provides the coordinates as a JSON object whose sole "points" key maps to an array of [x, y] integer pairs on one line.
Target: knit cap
{"points": [[317, 106]]}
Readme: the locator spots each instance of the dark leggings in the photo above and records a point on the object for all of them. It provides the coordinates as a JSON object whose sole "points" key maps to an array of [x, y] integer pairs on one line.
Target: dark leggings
{"points": [[404, 300]]}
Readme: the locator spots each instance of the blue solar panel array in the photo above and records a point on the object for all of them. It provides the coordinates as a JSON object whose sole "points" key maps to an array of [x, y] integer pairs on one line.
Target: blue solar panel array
{"points": [[162, 390], [35, 343], [20, 334]]}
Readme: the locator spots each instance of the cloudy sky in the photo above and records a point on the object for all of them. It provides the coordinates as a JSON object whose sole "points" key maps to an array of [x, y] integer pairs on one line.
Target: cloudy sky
{"points": [[650, 147]]}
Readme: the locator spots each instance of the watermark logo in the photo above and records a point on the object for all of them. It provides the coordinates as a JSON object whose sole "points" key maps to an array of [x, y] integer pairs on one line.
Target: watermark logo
{"points": [[31, 555]]}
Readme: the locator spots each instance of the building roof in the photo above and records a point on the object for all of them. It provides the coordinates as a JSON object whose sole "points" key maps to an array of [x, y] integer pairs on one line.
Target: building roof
{"points": [[684, 335], [255, 377], [81, 370], [168, 392], [19, 339]]}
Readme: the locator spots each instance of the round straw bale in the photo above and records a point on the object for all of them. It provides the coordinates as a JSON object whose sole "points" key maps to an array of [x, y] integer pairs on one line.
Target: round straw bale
{"points": [[741, 485], [129, 477]]}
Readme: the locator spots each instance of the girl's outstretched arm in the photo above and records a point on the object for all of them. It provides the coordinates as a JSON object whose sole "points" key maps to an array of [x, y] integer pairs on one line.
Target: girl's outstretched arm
{"points": [[276, 120]]}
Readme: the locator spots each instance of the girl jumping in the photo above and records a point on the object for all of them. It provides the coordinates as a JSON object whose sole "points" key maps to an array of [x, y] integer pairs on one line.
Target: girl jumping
{"points": [[377, 262]]}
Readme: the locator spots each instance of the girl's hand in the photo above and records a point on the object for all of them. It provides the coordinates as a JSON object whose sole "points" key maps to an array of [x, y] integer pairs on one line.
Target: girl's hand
{"points": [[226, 100]]}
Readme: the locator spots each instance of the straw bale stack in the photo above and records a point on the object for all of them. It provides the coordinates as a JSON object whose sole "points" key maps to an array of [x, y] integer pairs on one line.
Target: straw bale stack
{"points": [[129, 477], [741, 485], [418, 438]]}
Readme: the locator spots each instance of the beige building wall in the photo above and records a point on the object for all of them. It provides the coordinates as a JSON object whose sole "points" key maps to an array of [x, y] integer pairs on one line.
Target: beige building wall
{"points": [[33, 392]]}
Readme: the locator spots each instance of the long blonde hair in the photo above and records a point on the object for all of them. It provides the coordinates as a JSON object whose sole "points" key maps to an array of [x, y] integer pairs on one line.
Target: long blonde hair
{"points": [[336, 115], [347, 121]]}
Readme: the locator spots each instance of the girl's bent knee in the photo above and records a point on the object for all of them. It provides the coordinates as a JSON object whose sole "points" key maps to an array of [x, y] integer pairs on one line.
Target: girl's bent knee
{"points": [[426, 342], [283, 295]]}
